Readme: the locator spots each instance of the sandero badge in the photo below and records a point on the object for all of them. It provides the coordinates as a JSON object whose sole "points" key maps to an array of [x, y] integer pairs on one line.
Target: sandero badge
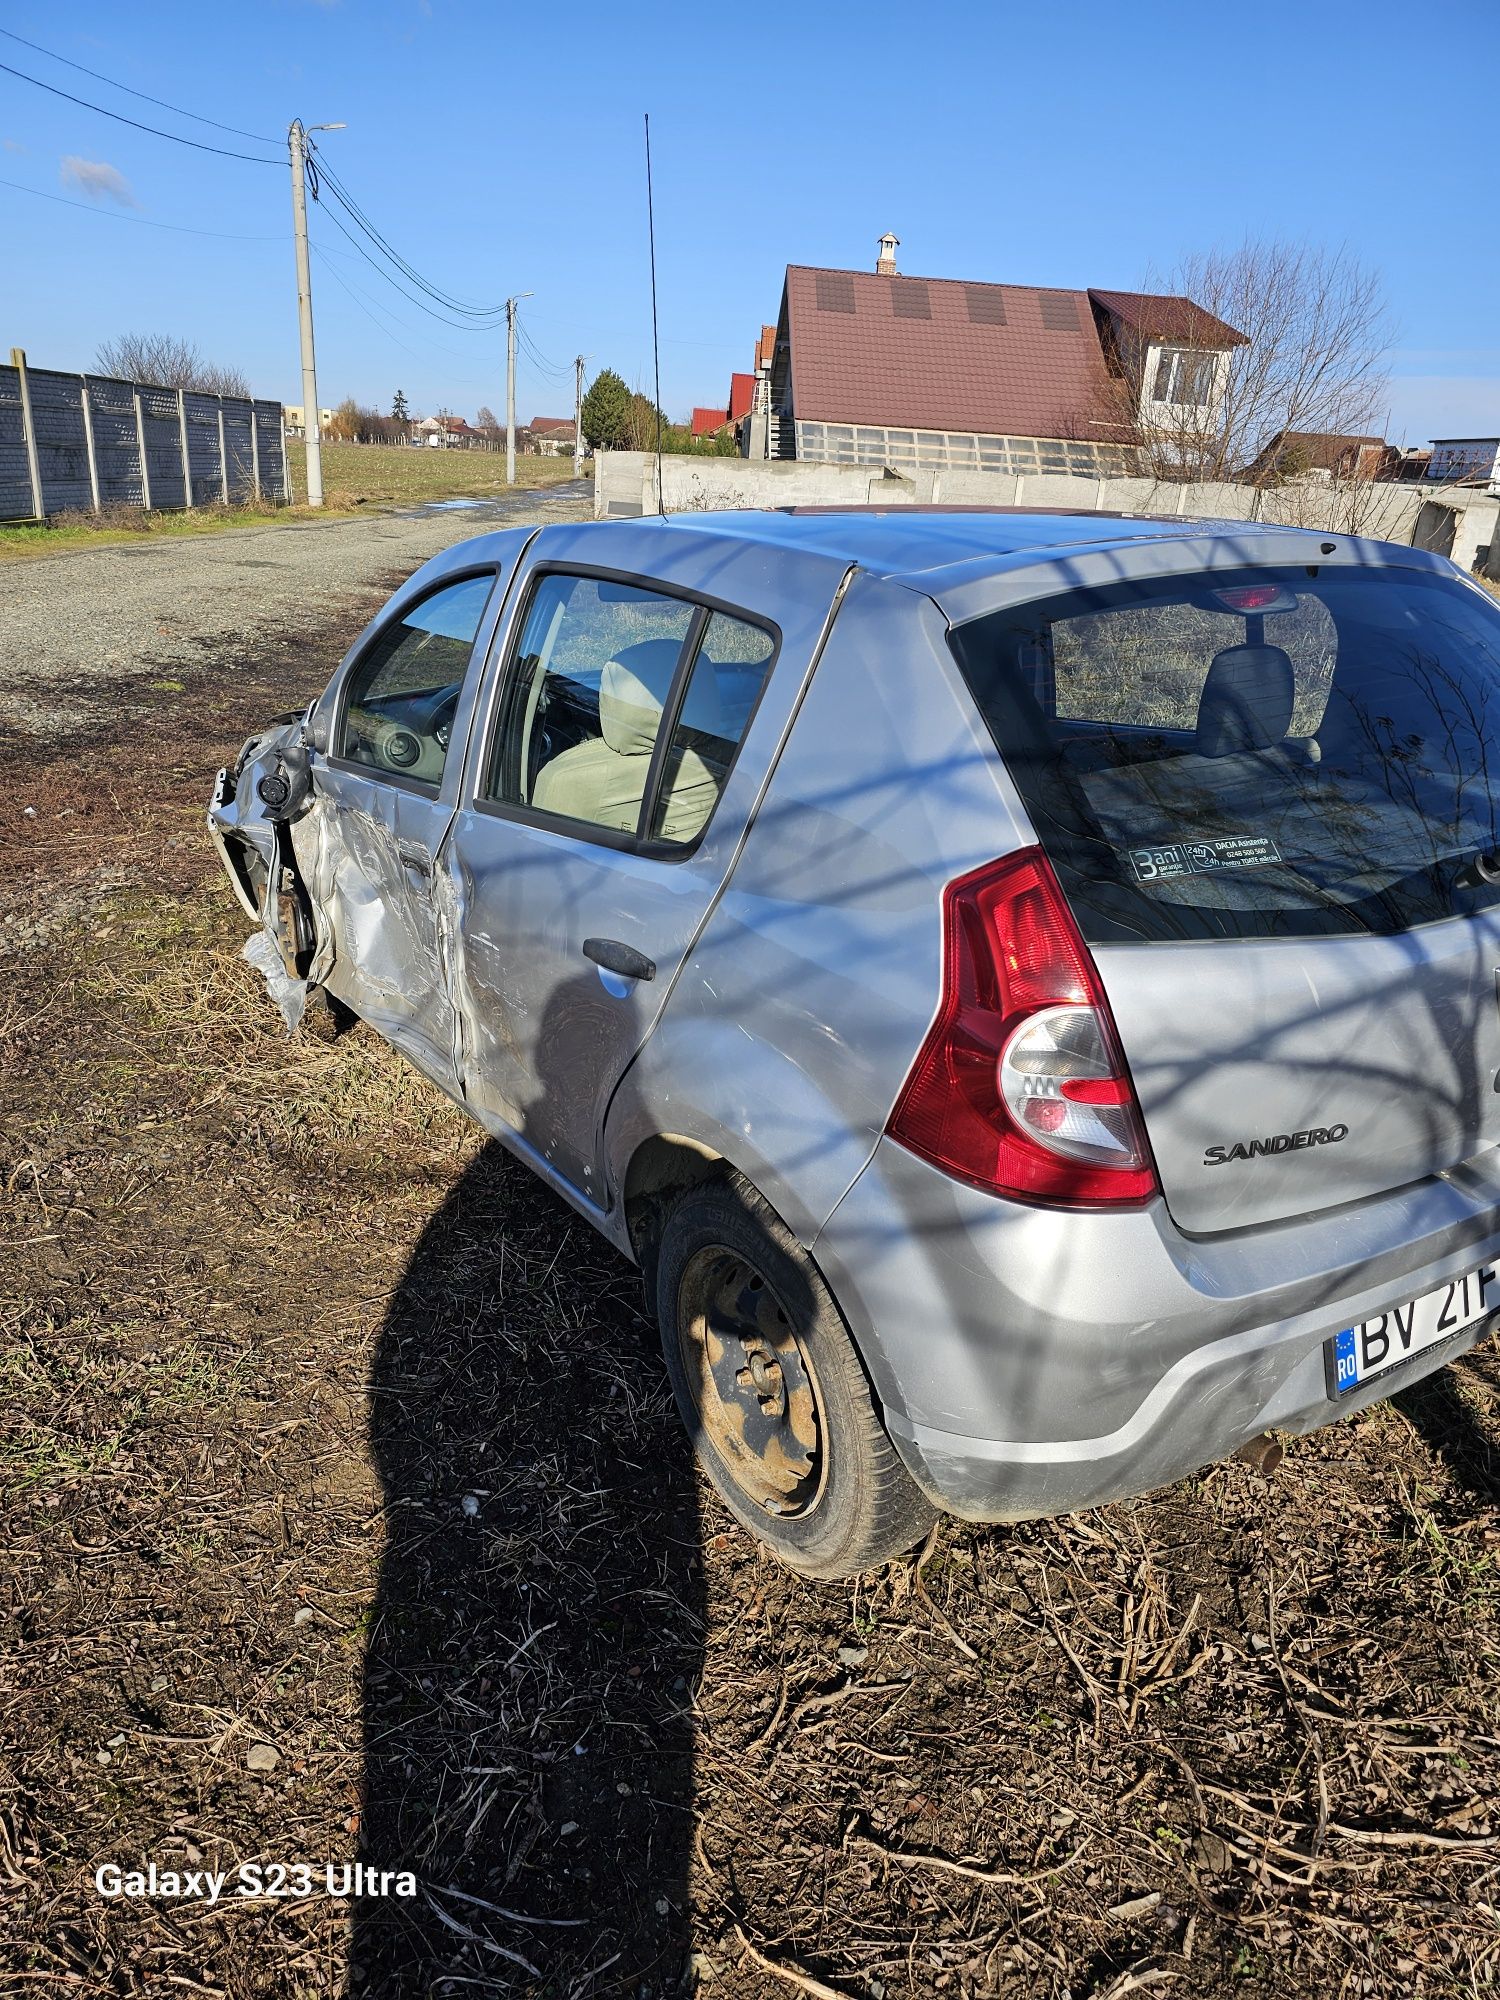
{"points": [[1277, 1142]]}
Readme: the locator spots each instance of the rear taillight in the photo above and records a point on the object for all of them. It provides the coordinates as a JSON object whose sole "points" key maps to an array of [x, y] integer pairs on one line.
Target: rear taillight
{"points": [[1020, 1088]]}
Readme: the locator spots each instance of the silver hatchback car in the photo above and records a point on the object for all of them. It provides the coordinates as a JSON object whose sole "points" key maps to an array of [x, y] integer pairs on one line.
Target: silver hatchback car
{"points": [[1025, 988]]}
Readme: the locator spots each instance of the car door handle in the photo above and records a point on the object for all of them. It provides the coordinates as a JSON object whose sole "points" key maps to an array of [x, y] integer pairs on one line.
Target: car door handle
{"points": [[621, 958], [414, 856]]}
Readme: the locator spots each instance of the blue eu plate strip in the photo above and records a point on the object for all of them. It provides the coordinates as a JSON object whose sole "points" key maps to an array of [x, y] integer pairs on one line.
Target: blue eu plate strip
{"points": [[1345, 1364]]}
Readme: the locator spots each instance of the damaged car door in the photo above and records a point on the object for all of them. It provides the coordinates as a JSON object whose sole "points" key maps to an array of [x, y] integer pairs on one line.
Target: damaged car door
{"points": [[390, 728]]}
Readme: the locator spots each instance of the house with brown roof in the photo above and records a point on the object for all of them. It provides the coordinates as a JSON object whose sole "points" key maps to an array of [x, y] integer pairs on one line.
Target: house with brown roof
{"points": [[872, 367], [1326, 454], [551, 437]]}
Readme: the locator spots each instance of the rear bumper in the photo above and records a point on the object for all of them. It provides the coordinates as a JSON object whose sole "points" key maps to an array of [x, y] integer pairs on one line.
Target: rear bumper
{"points": [[1033, 1363]]}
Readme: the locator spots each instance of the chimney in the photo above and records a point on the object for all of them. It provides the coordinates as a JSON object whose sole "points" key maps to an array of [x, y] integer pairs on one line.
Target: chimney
{"points": [[885, 263]]}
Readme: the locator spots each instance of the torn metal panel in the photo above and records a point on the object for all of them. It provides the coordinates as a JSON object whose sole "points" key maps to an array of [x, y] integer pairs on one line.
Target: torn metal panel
{"points": [[261, 951]]}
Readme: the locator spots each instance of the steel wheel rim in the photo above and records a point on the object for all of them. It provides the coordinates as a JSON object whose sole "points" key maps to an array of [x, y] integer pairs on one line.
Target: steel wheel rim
{"points": [[753, 1389]]}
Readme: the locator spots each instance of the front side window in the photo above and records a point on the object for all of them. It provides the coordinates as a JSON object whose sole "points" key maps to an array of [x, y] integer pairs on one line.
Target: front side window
{"points": [[625, 708], [402, 695], [1270, 752]]}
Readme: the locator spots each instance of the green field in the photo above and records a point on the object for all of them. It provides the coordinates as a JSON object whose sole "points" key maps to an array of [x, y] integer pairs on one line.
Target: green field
{"points": [[359, 474]]}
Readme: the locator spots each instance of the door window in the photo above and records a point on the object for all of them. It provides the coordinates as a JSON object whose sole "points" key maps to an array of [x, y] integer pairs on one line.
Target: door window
{"points": [[600, 666], [727, 677], [402, 694]]}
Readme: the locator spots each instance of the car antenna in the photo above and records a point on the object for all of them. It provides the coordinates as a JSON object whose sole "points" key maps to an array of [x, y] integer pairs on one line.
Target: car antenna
{"points": [[655, 341]]}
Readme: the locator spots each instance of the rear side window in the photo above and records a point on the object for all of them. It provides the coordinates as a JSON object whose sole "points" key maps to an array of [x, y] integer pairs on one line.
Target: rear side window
{"points": [[625, 708], [1255, 753], [723, 687]]}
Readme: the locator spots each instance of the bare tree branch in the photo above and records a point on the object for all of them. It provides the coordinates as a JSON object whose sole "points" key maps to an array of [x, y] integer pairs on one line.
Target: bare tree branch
{"points": [[171, 363]]}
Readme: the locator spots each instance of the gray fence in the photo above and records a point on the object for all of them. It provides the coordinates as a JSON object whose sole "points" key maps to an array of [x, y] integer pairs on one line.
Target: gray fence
{"points": [[87, 441]]}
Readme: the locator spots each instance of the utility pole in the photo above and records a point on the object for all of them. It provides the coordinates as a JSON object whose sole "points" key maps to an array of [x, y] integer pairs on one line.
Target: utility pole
{"points": [[510, 385], [578, 416], [510, 392], [311, 429]]}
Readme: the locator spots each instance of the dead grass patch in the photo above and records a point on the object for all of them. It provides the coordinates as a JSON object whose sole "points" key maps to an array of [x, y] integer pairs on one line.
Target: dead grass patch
{"points": [[324, 1431]]}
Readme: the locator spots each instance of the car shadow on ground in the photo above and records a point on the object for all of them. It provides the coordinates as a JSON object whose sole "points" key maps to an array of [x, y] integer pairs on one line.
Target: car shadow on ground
{"points": [[1447, 1423], [535, 1646]]}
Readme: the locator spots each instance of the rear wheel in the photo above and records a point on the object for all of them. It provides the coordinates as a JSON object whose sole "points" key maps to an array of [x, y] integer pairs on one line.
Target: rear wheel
{"points": [[772, 1390]]}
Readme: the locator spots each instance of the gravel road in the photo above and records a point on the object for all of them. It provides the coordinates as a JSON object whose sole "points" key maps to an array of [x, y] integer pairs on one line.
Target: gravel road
{"points": [[83, 630]]}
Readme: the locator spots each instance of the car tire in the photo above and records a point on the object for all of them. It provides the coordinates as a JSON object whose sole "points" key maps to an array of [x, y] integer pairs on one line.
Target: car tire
{"points": [[772, 1390]]}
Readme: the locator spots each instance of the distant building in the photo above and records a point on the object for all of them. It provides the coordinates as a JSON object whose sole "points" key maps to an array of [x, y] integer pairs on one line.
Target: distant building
{"points": [[1295, 454], [552, 437], [1464, 459], [706, 422], [293, 415], [872, 368]]}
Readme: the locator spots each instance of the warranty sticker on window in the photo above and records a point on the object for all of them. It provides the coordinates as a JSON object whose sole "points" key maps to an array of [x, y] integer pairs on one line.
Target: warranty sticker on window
{"points": [[1202, 857]]}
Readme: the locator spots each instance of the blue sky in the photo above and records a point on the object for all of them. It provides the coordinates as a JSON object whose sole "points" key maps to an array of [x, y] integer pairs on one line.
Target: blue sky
{"points": [[499, 148]]}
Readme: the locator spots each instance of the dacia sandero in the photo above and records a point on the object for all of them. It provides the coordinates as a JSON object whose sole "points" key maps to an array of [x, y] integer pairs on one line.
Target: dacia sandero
{"points": [[1024, 987]]}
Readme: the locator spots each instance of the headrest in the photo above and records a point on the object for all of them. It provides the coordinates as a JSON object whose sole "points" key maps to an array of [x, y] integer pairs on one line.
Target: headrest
{"points": [[633, 690], [1246, 702]]}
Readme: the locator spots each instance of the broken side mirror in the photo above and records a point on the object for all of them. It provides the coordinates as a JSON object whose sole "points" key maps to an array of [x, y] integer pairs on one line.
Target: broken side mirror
{"points": [[285, 786]]}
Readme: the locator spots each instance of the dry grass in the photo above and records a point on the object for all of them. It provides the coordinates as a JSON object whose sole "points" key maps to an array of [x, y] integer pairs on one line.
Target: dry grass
{"points": [[326, 1429], [361, 474]]}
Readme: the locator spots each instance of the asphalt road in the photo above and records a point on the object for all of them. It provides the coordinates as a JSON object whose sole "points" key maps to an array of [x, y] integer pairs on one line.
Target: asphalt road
{"points": [[76, 625]]}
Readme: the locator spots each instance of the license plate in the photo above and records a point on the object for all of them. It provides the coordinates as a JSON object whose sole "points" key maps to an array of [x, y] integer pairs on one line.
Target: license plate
{"points": [[1384, 1342]]}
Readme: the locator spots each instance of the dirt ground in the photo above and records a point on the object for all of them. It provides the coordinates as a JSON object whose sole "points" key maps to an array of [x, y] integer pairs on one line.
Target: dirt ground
{"points": [[345, 1518]]}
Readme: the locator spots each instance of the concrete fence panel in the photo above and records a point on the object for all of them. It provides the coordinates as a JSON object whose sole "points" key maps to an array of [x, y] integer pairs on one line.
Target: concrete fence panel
{"points": [[86, 441], [1458, 521], [112, 412], [15, 476]]}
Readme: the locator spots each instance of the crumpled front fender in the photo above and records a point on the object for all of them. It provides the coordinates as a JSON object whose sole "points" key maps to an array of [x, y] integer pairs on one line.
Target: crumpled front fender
{"points": [[237, 815], [266, 844]]}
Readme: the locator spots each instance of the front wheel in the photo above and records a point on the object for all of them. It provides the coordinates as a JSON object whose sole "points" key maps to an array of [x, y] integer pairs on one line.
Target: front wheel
{"points": [[772, 1390]]}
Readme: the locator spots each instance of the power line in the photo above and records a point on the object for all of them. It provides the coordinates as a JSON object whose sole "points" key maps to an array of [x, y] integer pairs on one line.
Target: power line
{"points": [[371, 313], [322, 172], [358, 216], [542, 361], [459, 325], [116, 215], [100, 77], [258, 159], [386, 320], [538, 360]]}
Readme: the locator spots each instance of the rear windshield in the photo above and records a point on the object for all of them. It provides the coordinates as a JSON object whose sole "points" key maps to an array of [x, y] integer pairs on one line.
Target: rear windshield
{"points": [[1254, 753]]}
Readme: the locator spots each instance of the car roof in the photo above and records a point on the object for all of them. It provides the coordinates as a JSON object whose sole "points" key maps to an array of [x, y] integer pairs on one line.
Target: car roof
{"points": [[908, 540], [942, 551]]}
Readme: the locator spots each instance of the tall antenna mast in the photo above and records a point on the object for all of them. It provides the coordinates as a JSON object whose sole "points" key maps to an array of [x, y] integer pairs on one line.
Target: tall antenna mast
{"points": [[655, 340]]}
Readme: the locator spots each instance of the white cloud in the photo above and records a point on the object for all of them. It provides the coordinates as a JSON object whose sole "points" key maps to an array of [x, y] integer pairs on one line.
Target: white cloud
{"points": [[98, 180], [14, 146]]}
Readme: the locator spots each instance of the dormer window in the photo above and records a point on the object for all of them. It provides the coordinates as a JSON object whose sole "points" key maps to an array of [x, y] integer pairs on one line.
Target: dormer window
{"points": [[1184, 377]]}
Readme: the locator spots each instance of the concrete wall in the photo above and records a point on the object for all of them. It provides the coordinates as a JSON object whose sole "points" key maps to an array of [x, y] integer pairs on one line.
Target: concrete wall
{"points": [[65, 438], [1459, 521]]}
